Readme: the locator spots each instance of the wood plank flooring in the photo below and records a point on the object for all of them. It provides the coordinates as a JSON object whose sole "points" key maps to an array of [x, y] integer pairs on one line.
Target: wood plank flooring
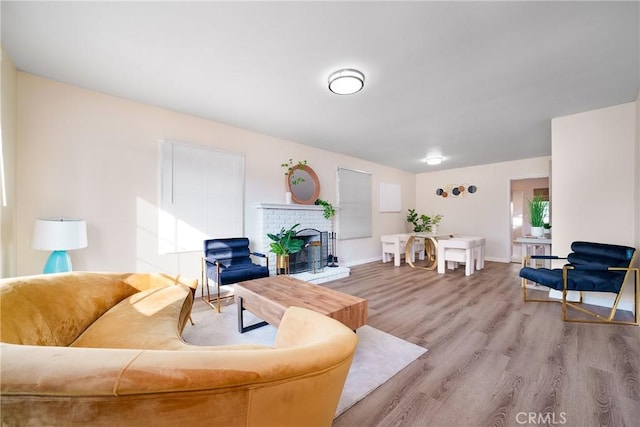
{"points": [[493, 360]]}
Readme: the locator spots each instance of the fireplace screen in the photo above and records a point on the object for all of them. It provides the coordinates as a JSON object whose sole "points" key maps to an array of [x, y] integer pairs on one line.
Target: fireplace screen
{"points": [[314, 254]]}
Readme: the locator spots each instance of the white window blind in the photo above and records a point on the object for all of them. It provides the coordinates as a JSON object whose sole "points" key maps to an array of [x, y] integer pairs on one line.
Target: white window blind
{"points": [[201, 196], [354, 199]]}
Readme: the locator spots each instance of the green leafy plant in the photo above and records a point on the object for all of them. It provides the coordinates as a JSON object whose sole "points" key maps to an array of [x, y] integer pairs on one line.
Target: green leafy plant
{"points": [[422, 223], [289, 171], [537, 211], [329, 210], [285, 242]]}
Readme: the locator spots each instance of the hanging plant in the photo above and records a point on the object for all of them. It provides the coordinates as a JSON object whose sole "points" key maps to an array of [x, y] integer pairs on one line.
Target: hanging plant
{"points": [[329, 211]]}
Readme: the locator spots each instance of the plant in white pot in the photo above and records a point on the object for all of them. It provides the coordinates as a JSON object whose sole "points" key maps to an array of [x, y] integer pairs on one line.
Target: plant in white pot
{"points": [[290, 175], [423, 223], [537, 212]]}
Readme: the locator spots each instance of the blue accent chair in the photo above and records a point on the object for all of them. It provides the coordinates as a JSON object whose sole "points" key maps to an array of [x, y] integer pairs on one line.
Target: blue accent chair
{"points": [[228, 261], [591, 267]]}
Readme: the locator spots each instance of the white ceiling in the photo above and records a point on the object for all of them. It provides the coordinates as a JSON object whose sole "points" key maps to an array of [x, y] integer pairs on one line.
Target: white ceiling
{"points": [[476, 82]]}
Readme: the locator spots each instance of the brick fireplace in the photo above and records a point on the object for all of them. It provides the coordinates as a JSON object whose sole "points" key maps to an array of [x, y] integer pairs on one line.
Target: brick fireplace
{"points": [[273, 217]]}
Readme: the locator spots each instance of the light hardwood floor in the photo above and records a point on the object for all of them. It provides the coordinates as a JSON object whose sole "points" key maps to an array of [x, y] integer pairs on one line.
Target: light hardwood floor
{"points": [[493, 360]]}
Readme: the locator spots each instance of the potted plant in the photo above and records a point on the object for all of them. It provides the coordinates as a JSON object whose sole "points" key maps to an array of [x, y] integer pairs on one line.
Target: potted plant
{"points": [[537, 211], [423, 223], [283, 244], [289, 174], [289, 165], [329, 210]]}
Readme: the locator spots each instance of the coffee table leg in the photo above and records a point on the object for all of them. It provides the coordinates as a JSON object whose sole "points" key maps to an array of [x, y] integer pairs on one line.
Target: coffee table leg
{"points": [[241, 328]]}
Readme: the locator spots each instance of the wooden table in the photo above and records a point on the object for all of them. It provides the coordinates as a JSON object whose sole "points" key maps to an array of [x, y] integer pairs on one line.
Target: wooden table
{"points": [[269, 297]]}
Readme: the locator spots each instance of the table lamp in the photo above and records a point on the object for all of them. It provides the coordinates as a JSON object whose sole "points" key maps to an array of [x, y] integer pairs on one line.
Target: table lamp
{"points": [[59, 235]]}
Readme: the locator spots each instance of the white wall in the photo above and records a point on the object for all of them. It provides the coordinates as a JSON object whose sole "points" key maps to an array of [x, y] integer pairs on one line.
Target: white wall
{"points": [[637, 177], [94, 156], [485, 213], [8, 213], [595, 181]]}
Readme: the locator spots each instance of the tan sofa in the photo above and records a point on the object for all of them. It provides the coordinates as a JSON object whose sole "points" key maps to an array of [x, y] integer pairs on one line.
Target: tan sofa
{"points": [[104, 349]]}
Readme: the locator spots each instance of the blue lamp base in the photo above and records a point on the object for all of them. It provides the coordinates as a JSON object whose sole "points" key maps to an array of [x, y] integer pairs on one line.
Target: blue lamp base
{"points": [[58, 262]]}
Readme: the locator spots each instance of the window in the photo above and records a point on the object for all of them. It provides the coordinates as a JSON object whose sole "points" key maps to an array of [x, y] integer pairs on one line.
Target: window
{"points": [[201, 196], [354, 199]]}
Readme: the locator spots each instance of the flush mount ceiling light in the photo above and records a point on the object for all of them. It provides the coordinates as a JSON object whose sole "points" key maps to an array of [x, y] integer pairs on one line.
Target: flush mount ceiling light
{"points": [[346, 81], [433, 160]]}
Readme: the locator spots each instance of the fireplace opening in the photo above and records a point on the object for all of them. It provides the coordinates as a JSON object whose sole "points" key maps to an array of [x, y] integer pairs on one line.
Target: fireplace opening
{"points": [[314, 254]]}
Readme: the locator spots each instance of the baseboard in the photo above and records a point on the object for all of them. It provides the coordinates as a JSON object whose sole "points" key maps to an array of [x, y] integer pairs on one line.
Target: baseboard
{"points": [[363, 261], [496, 259]]}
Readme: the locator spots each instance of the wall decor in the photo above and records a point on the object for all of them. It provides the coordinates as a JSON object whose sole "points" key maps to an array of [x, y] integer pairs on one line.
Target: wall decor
{"points": [[456, 190], [390, 197]]}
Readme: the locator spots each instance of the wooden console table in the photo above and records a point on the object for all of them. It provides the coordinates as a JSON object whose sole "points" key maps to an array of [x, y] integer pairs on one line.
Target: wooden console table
{"points": [[531, 246]]}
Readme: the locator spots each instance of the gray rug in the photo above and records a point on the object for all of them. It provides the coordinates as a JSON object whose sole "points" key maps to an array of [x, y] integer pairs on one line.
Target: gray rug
{"points": [[379, 356]]}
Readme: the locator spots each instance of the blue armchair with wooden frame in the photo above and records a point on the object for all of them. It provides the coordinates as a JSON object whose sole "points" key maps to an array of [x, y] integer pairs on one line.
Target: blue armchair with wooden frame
{"points": [[591, 267], [228, 261]]}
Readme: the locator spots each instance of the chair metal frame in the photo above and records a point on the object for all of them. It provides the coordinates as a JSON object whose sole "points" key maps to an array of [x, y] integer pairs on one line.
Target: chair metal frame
{"points": [[205, 282], [635, 271]]}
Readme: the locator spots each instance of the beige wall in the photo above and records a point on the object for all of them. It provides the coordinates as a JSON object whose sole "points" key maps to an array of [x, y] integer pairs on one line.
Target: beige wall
{"points": [[595, 180], [637, 177], [8, 213], [485, 213], [94, 156]]}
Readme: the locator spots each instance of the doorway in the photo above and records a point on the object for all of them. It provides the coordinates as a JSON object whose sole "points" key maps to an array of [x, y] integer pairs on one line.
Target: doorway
{"points": [[523, 190]]}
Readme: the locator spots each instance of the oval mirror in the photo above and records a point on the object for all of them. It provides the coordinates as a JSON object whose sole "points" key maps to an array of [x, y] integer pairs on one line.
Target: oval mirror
{"points": [[303, 184]]}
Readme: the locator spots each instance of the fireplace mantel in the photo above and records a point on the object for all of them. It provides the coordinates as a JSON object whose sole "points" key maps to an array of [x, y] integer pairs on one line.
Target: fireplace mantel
{"points": [[292, 206]]}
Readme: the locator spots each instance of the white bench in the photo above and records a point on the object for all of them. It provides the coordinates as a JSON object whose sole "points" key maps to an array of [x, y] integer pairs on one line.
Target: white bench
{"points": [[466, 249]]}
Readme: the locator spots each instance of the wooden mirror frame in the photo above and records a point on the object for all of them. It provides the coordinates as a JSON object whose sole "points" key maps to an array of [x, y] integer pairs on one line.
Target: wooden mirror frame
{"points": [[291, 188]]}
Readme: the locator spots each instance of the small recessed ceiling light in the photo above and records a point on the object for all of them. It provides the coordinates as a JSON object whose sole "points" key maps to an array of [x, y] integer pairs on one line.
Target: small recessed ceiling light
{"points": [[346, 81], [433, 160]]}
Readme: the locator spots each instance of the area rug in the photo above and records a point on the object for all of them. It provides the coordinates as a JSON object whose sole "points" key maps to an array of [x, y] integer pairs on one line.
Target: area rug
{"points": [[379, 356]]}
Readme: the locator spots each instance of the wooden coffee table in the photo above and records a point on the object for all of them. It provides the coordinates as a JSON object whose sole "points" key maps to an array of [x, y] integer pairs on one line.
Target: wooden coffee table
{"points": [[269, 297]]}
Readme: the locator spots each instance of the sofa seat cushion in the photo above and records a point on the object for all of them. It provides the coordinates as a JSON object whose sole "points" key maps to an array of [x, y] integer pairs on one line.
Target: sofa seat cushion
{"points": [[238, 273], [543, 276], [151, 319], [577, 279]]}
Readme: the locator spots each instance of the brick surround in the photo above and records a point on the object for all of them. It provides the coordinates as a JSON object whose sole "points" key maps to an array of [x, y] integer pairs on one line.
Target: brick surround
{"points": [[272, 217]]}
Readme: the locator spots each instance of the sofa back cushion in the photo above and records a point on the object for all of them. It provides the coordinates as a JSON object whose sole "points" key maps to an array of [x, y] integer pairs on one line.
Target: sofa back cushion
{"points": [[54, 309], [150, 319]]}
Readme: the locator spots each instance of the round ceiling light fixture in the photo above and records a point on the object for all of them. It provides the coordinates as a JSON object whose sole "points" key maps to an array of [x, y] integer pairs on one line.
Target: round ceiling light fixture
{"points": [[346, 81], [433, 160]]}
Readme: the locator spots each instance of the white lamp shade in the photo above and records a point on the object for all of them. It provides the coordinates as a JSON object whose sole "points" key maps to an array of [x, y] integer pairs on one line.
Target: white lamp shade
{"points": [[59, 234]]}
